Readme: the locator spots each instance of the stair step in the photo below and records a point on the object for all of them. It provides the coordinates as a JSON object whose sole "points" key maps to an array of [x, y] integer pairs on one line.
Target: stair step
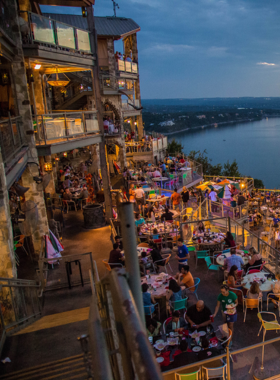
{"points": [[71, 368]]}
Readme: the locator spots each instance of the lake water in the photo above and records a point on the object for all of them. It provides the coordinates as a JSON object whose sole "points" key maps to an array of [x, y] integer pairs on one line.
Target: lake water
{"points": [[255, 146]]}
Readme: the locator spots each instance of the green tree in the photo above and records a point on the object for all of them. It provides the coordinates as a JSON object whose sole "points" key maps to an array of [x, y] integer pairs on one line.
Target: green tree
{"points": [[258, 183], [231, 170], [174, 147]]}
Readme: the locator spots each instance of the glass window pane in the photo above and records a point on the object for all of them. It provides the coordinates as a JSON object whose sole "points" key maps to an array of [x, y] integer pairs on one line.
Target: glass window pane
{"points": [[134, 68], [42, 29], [83, 40], [121, 65], [128, 66], [65, 35]]}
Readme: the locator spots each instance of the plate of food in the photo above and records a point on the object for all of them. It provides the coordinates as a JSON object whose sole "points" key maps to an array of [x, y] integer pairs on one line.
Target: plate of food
{"points": [[231, 309], [160, 359], [196, 349], [172, 341], [160, 346], [202, 333], [159, 341]]}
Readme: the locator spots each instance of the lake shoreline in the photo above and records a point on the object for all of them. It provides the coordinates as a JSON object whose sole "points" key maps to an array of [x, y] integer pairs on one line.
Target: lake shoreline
{"points": [[221, 123]]}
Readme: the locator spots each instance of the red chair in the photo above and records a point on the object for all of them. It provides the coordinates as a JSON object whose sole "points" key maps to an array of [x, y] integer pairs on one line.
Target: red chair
{"points": [[253, 271], [166, 322]]}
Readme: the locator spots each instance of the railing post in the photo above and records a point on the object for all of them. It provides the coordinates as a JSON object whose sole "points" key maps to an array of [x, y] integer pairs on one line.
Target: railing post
{"points": [[65, 126], [222, 210], [228, 364]]}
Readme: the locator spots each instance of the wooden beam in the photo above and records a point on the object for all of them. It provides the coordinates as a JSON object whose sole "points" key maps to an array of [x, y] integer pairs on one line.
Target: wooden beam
{"points": [[67, 3]]}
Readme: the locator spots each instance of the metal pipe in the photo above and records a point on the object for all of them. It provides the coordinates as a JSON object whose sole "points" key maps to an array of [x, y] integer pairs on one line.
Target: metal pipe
{"points": [[100, 357], [228, 364], [131, 255], [140, 348]]}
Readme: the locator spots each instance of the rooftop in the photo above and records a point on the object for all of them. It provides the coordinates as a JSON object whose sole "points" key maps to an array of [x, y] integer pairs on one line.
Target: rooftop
{"points": [[117, 27]]}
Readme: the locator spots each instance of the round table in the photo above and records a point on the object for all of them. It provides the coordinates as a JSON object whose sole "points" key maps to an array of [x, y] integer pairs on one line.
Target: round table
{"points": [[157, 288], [211, 244], [266, 287], [221, 259]]}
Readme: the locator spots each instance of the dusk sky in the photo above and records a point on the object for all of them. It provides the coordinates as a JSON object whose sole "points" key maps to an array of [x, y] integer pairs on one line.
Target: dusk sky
{"points": [[202, 48]]}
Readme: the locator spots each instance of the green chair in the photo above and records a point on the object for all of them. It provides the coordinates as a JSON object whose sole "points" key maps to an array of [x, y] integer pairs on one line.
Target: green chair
{"points": [[191, 249], [233, 235], [212, 266], [188, 376], [179, 305], [152, 192], [201, 255]]}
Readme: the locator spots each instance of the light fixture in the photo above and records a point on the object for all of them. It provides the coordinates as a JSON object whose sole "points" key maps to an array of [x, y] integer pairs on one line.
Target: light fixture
{"points": [[58, 82], [84, 12], [37, 66], [56, 158], [135, 123], [81, 87], [65, 154], [48, 167]]}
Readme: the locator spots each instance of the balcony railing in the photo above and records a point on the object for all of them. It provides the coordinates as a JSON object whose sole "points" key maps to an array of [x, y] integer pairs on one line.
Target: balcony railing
{"points": [[126, 105], [62, 126], [112, 83], [47, 31], [11, 138], [127, 67]]}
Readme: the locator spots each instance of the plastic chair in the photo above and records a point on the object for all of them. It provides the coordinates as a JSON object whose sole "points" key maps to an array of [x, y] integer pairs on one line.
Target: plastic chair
{"points": [[251, 304], [259, 267], [67, 202], [212, 266], [268, 325], [253, 271], [188, 376], [149, 310], [213, 373], [201, 255], [179, 305], [19, 242], [166, 262], [270, 297], [108, 265], [165, 323], [195, 287]]}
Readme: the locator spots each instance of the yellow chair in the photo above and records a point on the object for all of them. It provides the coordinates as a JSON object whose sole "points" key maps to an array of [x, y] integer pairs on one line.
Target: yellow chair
{"points": [[108, 266], [188, 376], [268, 325], [189, 210], [251, 304]]}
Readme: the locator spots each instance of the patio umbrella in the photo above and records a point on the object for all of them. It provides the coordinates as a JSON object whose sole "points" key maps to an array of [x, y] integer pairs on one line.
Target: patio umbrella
{"points": [[52, 247]]}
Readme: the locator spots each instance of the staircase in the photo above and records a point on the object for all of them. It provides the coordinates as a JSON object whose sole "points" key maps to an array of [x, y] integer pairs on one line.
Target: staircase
{"points": [[69, 368]]}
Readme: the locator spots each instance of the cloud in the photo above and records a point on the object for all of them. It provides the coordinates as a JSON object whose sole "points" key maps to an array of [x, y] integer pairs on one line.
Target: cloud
{"points": [[266, 64]]}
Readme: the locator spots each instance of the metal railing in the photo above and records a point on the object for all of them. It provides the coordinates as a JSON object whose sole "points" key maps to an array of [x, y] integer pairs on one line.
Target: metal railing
{"points": [[44, 30], [247, 183], [126, 105], [19, 305], [11, 138], [64, 125], [221, 209]]}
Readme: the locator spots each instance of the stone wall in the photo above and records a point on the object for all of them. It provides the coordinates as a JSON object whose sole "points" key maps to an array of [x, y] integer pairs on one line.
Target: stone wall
{"points": [[111, 55]]}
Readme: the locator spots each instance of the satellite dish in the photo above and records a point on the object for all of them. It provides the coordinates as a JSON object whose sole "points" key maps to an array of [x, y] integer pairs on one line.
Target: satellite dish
{"points": [[30, 209]]}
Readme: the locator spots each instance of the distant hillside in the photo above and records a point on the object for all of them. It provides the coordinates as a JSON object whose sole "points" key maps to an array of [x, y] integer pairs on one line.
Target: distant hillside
{"points": [[246, 102]]}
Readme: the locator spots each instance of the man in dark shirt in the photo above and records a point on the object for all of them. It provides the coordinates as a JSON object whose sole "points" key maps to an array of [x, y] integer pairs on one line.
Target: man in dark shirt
{"points": [[198, 316], [185, 196], [240, 199], [115, 256], [119, 242], [155, 254], [184, 358], [167, 215]]}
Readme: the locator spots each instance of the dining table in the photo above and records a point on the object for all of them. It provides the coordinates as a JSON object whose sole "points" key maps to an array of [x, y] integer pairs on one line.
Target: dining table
{"points": [[262, 278], [162, 228]]}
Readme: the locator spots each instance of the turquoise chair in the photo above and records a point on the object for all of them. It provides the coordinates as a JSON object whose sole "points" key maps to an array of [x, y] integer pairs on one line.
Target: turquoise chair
{"points": [[201, 255], [212, 266], [193, 289], [179, 305], [188, 376]]}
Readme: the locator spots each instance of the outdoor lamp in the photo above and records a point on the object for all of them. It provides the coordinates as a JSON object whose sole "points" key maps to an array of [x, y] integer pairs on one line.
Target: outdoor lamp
{"points": [[37, 66], [48, 167], [65, 154], [56, 158]]}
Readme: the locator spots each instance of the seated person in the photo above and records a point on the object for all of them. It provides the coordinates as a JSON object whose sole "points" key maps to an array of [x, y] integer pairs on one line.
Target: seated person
{"points": [[204, 354], [116, 257], [148, 300], [84, 193], [67, 196], [157, 207], [275, 289], [153, 327], [155, 255], [139, 221], [200, 227], [229, 240], [174, 292], [177, 323], [256, 259], [183, 357], [119, 242], [198, 316], [167, 215], [254, 292], [233, 260], [185, 278], [155, 234]]}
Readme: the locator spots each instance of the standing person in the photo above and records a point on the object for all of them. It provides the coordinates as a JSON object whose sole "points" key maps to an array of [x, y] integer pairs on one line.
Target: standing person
{"points": [[213, 198], [185, 196], [228, 301], [132, 194], [163, 168], [240, 199], [183, 254], [140, 197], [175, 199]]}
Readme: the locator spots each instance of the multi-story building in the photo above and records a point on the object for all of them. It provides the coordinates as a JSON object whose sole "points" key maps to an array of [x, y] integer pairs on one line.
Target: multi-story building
{"points": [[38, 58]]}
